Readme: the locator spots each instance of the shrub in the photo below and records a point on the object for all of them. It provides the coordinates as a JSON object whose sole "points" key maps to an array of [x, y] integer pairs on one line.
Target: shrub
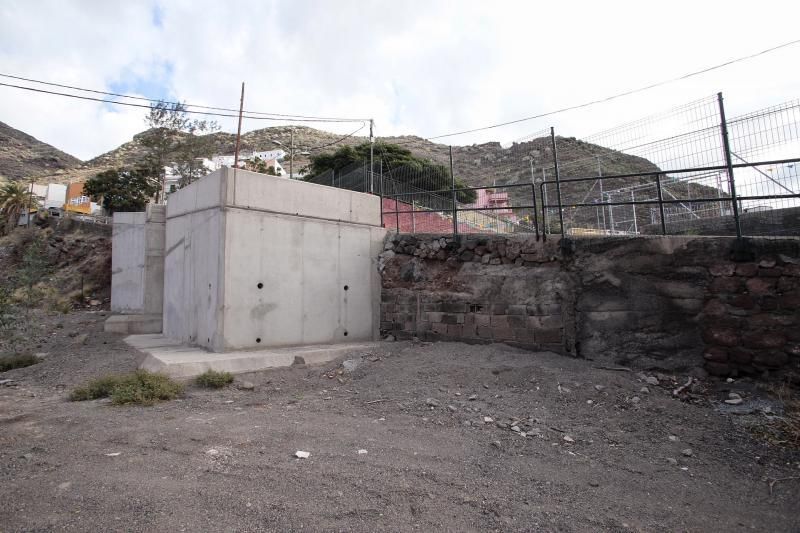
{"points": [[140, 387], [11, 362], [214, 380]]}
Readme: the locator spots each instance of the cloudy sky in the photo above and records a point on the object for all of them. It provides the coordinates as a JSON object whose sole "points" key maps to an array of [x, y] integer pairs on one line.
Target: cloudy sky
{"points": [[417, 67]]}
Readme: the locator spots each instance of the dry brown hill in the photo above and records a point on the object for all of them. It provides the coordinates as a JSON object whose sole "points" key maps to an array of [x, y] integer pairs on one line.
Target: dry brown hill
{"points": [[22, 156]]}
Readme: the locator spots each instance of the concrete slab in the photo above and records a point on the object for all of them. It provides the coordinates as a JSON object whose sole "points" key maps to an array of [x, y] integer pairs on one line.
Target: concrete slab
{"points": [[180, 361], [133, 324]]}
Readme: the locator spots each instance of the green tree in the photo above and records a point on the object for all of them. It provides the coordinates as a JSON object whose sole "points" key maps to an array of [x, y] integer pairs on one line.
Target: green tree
{"points": [[198, 142], [407, 168], [34, 266], [259, 165], [14, 200], [122, 190], [175, 138], [166, 120]]}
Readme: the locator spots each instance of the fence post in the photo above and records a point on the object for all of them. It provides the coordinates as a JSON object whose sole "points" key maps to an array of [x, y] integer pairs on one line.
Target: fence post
{"points": [[371, 160], [729, 164], [558, 182], [453, 185], [380, 189], [661, 205]]}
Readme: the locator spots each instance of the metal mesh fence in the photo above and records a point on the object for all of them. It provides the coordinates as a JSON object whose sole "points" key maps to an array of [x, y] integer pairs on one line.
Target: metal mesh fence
{"points": [[686, 170]]}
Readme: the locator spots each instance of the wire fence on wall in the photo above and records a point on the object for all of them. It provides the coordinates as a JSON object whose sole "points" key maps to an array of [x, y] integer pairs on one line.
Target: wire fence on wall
{"points": [[687, 170]]}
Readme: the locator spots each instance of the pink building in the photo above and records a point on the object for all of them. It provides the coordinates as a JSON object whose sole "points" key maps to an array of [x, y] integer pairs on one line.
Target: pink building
{"points": [[498, 201]]}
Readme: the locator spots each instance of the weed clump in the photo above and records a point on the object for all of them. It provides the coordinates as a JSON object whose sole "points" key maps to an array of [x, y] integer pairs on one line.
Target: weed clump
{"points": [[212, 379], [140, 387], [10, 362]]}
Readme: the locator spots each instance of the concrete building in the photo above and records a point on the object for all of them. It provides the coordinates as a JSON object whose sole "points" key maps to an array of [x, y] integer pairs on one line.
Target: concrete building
{"points": [[255, 261], [249, 262]]}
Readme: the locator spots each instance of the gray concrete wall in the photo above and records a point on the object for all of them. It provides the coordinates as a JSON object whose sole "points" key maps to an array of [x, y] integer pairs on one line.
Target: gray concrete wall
{"points": [[229, 232], [137, 259]]}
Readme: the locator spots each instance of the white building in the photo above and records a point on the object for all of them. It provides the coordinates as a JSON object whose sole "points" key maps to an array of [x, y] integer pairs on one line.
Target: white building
{"points": [[270, 157]]}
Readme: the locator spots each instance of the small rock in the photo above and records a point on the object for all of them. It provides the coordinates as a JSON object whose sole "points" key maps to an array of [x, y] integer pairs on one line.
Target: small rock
{"points": [[636, 399], [113, 454], [27, 456], [6, 381], [590, 402], [467, 423], [83, 338], [362, 452], [515, 429], [594, 484], [301, 454], [246, 385], [674, 438], [95, 303], [488, 420], [673, 462], [452, 408], [350, 365], [599, 388], [432, 402], [501, 425], [496, 443], [569, 439], [564, 390], [473, 397], [734, 396], [687, 452], [212, 452], [485, 386], [651, 380], [389, 338], [644, 390], [734, 401], [729, 380]]}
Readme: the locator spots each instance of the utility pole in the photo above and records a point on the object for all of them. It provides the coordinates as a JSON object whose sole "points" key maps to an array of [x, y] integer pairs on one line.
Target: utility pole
{"points": [[371, 155], [30, 205], [291, 156], [238, 132]]}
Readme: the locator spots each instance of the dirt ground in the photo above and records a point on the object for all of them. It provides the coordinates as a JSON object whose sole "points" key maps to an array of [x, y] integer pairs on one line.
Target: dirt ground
{"points": [[599, 454]]}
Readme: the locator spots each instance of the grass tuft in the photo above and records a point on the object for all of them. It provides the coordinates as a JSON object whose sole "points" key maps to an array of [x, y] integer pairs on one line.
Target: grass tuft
{"points": [[212, 379], [11, 362], [140, 387]]}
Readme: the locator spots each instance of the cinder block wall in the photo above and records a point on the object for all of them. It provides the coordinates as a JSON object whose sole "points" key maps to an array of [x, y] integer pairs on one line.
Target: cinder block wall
{"points": [[731, 307]]}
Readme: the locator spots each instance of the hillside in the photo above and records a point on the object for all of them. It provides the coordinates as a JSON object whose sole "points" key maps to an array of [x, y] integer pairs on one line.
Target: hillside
{"points": [[478, 165], [22, 156]]}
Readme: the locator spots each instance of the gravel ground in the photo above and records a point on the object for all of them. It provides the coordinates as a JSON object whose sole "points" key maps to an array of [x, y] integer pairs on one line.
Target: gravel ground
{"points": [[402, 442]]}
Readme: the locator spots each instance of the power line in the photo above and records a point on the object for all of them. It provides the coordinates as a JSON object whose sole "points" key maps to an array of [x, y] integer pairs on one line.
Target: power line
{"points": [[619, 95], [249, 114], [315, 148]]}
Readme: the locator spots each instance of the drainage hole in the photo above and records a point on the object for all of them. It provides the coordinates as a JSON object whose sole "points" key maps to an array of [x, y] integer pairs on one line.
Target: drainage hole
{"points": [[260, 285], [345, 334], [258, 340], [346, 287]]}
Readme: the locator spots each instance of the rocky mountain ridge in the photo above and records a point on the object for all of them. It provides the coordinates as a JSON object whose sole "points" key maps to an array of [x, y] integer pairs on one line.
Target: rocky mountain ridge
{"points": [[23, 156]]}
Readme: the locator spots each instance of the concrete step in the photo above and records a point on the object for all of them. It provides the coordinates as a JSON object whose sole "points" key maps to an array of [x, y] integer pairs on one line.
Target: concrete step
{"points": [[134, 324], [179, 361]]}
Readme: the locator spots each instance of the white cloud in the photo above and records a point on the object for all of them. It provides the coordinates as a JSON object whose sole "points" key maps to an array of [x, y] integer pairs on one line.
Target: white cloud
{"points": [[416, 67]]}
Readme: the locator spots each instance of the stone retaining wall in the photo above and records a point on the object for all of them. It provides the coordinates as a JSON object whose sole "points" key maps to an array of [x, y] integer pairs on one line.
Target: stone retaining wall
{"points": [[660, 302]]}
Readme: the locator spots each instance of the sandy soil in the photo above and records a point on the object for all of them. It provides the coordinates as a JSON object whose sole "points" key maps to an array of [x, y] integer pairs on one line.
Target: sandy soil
{"points": [[593, 457]]}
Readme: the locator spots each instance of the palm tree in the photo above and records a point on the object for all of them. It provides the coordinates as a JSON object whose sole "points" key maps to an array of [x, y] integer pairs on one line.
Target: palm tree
{"points": [[14, 200]]}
